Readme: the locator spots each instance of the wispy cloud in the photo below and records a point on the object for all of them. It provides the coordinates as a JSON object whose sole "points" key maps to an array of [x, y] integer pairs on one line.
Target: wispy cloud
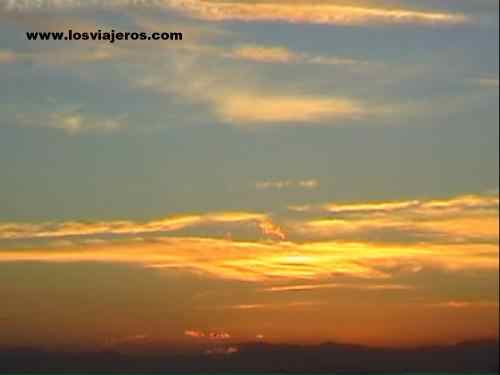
{"points": [[275, 306], [8, 57], [254, 108], [222, 350], [311, 287], [253, 102], [217, 335], [18, 231], [263, 54], [469, 218], [260, 261], [325, 13], [368, 241], [489, 82], [284, 184], [72, 121], [283, 55], [464, 304]]}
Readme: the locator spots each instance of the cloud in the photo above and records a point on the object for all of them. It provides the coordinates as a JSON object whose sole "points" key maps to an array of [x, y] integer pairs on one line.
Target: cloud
{"points": [[239, 104], [193, 333], [132, 339], [309, 184], [283, 184], [251, 102], [207, 335], [218, 335], [324, 13], [252, 306], [275, 306], [85, 230], [283, 55], [464, 304], [484, 82], [348, 13], [272, 230], [8, 57], [463, 219], [72, 122], [271, 261], [367, 240], [254, 108], [250, 108], [263, 54], [222, 350], [310, 287], [371, 207]]}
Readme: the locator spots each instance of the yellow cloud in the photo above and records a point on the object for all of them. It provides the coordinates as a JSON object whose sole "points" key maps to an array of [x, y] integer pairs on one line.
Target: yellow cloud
{"points": [[259, 261], [272, 230], [249, 108], [308, 12], [19, 231], [282, 55], [371, 207], [250, 102], [464, 219], [369, 240], [308, 287], [264, 54]]}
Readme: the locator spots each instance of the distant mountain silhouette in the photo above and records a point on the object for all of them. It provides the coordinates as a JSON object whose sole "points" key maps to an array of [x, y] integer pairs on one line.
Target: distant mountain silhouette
{"points": [[467, 357]]}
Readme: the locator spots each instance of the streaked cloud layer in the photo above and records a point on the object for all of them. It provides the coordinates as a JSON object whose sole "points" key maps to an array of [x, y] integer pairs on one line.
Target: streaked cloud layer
{"points": [[307, 12], [371, 240], [125, 227], [301, 12]]}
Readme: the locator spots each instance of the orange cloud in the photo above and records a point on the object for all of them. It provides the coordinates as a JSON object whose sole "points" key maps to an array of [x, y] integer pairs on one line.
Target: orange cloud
{"points": [[222, 350], [464, 304], [369, 241], [309, 287], [255, 262], [218, 335], [209, 335], [469, 218], [308, 12], [7, 57], [195, 334], [123, 227], [272, 230]]}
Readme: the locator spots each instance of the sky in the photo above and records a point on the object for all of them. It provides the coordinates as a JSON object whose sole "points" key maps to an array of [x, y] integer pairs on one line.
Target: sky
{"points": [[288, 172]]}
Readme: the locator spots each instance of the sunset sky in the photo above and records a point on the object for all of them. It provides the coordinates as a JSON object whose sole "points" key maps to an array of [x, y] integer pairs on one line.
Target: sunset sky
{"points": [[290, 172]]}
